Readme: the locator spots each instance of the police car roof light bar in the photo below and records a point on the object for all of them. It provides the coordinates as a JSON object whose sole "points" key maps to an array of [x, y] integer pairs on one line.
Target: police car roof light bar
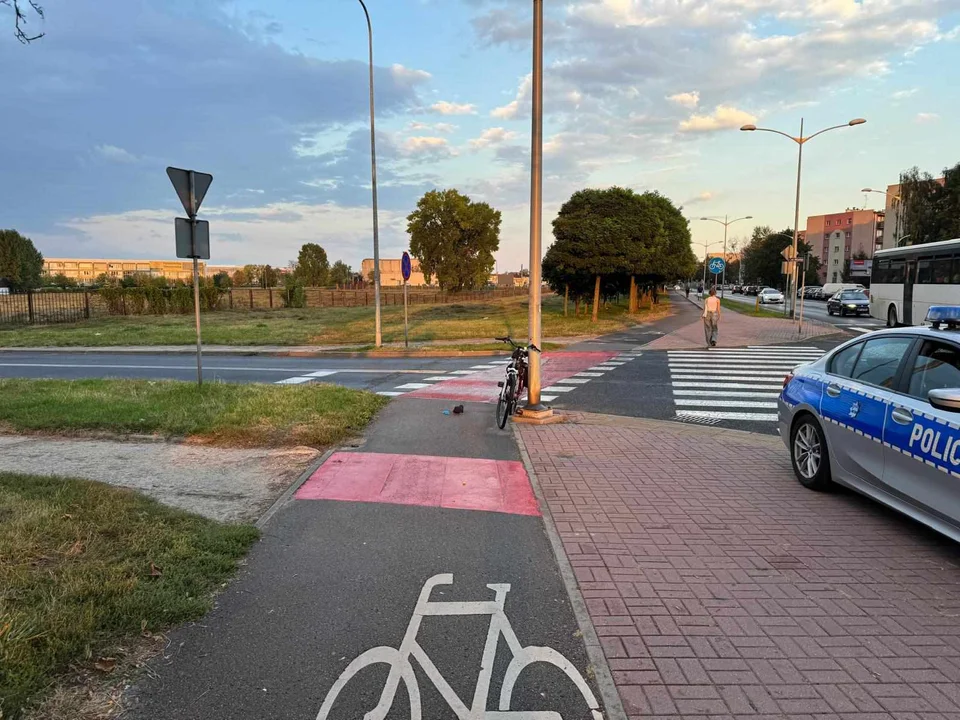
{"points": [[948, 315]]}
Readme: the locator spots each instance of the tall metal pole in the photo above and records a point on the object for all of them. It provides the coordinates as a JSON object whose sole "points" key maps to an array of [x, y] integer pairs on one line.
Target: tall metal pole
{"points": [[726, 224], [196, 272], [373, 182], [796, 227], [536, 209]]}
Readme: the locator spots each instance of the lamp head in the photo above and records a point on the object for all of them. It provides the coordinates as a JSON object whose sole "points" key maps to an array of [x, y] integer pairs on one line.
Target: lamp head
{"points": [[856, 121], [749, 128], [867, 190]]}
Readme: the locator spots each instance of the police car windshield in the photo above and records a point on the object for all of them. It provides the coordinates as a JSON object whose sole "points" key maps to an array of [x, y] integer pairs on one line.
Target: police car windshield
{"points": [[853, 295]]}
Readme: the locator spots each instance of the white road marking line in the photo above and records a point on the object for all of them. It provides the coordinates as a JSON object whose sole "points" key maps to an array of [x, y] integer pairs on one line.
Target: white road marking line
{"points": [[718, 415], [730, 354], [388, 393], [624, 358], [480, 367], [861, 329], [723, 371], [238, 368], [731, 386], [412, 386], [589, 374], [574, 380], [600, 367], [784, 347], [559, 388], [687, 365], [725, 403], [321, 373], [548, 398], [464, 372], [437, 378], [293, 381], [717, 378], [726, 393]]}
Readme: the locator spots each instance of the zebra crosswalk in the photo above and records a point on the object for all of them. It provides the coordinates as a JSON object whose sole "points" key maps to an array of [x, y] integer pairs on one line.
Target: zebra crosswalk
{"points": [[736, 384]]}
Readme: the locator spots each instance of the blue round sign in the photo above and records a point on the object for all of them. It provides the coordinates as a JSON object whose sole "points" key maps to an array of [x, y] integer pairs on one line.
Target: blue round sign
{"points": [[716, 265], [405, 266]]}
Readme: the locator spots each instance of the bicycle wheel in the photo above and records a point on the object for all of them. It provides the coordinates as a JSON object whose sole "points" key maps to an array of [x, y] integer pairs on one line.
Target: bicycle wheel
{"points": [[531, 655], [388, 656], [505, 404]]}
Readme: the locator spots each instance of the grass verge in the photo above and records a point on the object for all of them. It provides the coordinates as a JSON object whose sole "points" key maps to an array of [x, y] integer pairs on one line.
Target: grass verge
{"points": [[324, 326], [218, 413], [83, 565], [750, 309]]}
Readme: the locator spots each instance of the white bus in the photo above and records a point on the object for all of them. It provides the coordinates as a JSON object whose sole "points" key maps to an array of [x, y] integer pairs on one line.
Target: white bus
{"points": [[906, 281]]}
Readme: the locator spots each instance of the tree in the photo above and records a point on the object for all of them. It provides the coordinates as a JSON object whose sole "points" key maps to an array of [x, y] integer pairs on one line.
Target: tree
{"points": [[313, 268], [222, 280], [20, 18], [762, 259], [341, 274], [21, 264], [454, 239], [60, 280], [268, 276]]}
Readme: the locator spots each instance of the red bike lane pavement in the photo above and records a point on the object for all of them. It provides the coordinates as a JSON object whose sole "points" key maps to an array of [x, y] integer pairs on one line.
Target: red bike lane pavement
{"points": [[412, 573]]}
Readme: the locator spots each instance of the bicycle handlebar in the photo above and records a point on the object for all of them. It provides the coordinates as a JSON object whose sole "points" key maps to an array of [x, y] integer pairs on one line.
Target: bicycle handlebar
{"points": [[508, 339]]}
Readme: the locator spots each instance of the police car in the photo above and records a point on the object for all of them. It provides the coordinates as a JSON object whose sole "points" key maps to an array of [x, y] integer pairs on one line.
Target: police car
{"points": [[881, 415]]}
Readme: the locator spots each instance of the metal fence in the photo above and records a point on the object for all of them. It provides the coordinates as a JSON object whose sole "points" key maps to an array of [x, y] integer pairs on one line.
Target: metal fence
{"points": [[37, 307]]}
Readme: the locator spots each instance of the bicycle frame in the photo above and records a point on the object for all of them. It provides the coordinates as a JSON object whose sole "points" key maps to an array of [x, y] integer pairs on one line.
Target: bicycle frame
{"points": [[410, 648]]}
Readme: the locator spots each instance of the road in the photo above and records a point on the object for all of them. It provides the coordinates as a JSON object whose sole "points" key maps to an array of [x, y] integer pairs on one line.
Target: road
{"points": [[388, 376], [817, 310]]}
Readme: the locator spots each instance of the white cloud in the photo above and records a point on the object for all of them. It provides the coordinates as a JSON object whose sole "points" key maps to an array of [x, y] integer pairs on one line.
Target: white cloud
{"points": [[924, 118], [512, 110], [723, 118], [686, 99], [409, 76], [904, 94], [440, 127], [425, 145], [491, 137], [115, 154], [449, 108], [703, 197]]}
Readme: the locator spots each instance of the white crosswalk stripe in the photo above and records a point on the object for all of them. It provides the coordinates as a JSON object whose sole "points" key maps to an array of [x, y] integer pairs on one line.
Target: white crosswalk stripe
{"points": [[736, 384]]}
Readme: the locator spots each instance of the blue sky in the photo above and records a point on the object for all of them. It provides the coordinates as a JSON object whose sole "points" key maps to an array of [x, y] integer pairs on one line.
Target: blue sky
{"points": [[271, 98]]}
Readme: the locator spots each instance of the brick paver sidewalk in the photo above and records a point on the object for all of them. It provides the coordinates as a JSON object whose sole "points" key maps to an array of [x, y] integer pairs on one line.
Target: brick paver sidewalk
{"points": [[737, 330], [722, 588]]}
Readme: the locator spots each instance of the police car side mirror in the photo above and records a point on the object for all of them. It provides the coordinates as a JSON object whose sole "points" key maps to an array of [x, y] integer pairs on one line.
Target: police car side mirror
{"points": [[945, 399]]}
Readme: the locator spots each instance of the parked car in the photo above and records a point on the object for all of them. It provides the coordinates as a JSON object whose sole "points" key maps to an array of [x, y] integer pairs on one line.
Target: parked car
{"points": [[737, 289], [810, 291], [849, 302], [749, 289], [770, 296], [831, 289], [879, 414]]}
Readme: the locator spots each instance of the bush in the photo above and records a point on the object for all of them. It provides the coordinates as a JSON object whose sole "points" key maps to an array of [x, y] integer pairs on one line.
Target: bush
{"points": [[294, 295]]}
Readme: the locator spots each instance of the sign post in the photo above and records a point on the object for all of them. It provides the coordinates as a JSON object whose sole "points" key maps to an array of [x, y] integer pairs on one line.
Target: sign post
{"points": [[803, 286], [192, 236], [405, 271]]}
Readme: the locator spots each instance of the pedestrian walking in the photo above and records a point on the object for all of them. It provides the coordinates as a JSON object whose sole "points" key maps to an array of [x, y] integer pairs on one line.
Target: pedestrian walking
{"points": [[687, 290], [711, 319], [700, 291]]}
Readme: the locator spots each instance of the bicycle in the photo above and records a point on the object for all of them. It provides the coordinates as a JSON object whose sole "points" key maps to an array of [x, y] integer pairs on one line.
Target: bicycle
{"points": [[401, 666], [516, 381]]}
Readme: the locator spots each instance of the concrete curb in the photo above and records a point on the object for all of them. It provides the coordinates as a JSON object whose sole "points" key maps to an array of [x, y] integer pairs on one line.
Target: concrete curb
{"points": [[609, 696], [289, 492]]}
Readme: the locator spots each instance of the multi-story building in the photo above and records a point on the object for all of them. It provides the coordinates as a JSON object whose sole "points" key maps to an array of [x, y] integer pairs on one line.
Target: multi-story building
{"points": [[390, 275], [836, 238], [86, 270], [510, 279]]}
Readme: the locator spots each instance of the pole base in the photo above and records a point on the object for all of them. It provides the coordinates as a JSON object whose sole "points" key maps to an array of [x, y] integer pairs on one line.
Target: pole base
{"points": [[538, 416]]}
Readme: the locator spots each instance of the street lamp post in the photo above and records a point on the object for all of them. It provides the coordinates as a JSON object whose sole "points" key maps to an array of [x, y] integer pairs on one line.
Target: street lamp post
{"points": [[896, 201], [726, 223], [533, 406], [378, 337], [800, 140]]}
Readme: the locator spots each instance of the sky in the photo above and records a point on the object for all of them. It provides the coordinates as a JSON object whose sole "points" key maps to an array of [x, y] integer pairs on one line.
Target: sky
{"points": [[271, 98]]}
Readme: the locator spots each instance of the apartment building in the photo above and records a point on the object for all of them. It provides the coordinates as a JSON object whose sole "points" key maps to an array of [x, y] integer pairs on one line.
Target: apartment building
{"points": [[86, 270], [837, 237], [893, 231]]}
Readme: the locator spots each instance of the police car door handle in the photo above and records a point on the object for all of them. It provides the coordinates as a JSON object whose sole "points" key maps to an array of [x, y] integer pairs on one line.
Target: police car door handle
{"points": [[902, 416], [833, 390]]}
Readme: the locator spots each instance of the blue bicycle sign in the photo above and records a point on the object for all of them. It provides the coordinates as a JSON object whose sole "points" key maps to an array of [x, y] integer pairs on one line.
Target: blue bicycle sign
{"points": [[716, 265]]}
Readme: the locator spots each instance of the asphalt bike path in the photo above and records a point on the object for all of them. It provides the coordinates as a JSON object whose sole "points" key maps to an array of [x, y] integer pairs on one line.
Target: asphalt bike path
{"points": [[410, 574]]}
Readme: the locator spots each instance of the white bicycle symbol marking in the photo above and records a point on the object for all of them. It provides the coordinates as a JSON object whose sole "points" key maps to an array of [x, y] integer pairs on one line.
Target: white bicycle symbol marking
{"points": [[401, 667]]}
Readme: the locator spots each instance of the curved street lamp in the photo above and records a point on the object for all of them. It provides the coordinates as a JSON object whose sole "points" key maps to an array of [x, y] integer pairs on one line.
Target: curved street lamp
{"points": [[726, 223], [378, 337], [800, 140]]}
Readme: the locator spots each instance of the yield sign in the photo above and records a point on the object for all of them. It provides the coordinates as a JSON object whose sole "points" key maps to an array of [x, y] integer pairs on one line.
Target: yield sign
{"points": [[181, 183]]}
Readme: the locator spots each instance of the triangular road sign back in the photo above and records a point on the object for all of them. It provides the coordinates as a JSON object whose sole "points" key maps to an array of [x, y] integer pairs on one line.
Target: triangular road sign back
{"points": [[181, 183]]}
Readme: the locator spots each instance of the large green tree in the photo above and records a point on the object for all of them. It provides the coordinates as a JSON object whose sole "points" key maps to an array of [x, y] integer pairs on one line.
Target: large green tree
{"points": [[313, 268], [21, 264], [762, 258], [454, 239], [341, 274], [929, 209]]}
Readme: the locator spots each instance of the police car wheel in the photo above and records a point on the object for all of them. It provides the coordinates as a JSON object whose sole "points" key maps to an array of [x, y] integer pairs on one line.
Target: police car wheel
{"points": [[808, 453]]}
